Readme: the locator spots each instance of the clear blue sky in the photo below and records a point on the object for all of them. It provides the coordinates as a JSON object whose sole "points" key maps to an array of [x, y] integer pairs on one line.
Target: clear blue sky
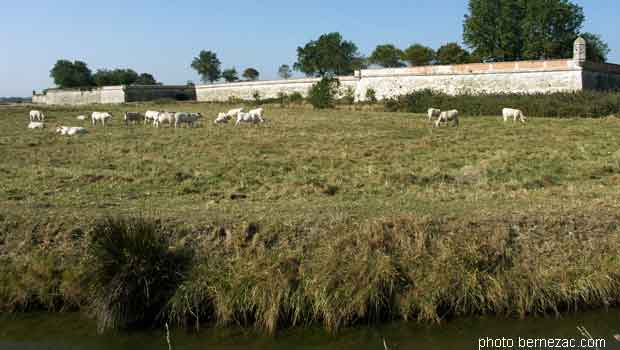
{"points": [[162, 37]]}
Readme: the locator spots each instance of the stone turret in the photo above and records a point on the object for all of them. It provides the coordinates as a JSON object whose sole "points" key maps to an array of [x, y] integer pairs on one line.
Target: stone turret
{"points": [[579, 50]]}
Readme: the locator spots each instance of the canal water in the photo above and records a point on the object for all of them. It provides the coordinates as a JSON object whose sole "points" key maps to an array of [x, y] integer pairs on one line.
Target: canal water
{"points": [[47, 331]]}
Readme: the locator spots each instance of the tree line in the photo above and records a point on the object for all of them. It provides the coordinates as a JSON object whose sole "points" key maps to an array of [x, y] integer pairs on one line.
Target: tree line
{"points": [[67, 74], [493, 30]]}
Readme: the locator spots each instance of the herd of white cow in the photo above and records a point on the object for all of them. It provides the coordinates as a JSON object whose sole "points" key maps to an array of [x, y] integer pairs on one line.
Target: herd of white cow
{"points": [[157, 118], [254, 116]]}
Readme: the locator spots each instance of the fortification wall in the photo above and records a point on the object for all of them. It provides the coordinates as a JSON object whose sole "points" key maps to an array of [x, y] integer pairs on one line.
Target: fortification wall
{"points": [[506, 77], [107, 94], [267, 89], [137, 93], [114, 94], [601, 76]]}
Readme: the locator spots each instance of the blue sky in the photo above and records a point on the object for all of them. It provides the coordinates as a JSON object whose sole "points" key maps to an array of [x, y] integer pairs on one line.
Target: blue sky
{"points": [[162, 37]]}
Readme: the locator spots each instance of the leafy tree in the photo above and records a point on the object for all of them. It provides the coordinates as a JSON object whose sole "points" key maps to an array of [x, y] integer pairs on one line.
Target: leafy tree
{"points": [[251, 74], [596, 49], [550, 28], [105, 77], [67, 74], [330, 54], [285, 71], [207, 65], [387, 55], [322, 95], [506, 30], [452, 53], [419, 55], [230, 75], [146, 79]]}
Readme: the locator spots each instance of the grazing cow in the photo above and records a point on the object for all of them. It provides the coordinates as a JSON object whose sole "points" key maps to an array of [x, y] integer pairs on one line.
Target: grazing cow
{"points": [[514, 114], [433, 113], [132, 117], [100, 116], [448, 116], [151, 116], [71, 130], [257, 112], [81, 117], [234, 112], [248, 118], [164, 117], [37, 115], [186, 118], [36, 125], [222, 118]]}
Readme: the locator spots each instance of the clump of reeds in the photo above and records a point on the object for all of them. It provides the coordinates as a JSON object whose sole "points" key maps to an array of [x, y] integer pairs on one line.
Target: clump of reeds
{"points": [[133, 271]]}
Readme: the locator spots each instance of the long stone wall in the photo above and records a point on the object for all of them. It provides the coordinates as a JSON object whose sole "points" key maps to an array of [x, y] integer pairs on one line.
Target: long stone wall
{"points": [[601, 76], [114, 94], [138, 93], [108, 94], [505, 77], [266, 89]]}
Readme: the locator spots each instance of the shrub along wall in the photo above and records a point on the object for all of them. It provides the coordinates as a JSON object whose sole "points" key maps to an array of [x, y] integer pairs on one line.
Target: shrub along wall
{"points": [[588, 104]]}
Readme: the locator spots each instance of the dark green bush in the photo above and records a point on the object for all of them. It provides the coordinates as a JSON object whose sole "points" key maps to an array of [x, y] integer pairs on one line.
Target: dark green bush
{"points": [[322, 95], [371, 95], [257, 98], [561, 104], [296, 98], [133, 272]]}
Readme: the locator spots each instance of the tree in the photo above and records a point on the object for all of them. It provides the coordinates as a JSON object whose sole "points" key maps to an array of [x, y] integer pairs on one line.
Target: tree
{"points": [[146, 79], [230, 75], [387, 55], [550, 28], [507, 30], [207, 65], [596, 49], [452, 53], [285, 71], [419, 55], [330, 54], [105, 77], [251, 74], [67, 74], [322, 95]]}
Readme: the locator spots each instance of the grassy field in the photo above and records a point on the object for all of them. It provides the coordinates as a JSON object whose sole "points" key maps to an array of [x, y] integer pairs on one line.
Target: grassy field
{"points": [[360, 214]]}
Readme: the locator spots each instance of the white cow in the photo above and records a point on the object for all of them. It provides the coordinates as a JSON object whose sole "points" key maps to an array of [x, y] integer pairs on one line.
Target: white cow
{"points": [[164, 117], [448, 116], [71, 130], [248, 118], [132, 117], [222, 118], [186, 118], [433, 113], [257, 112], [514, 114], [151, 116], [234, 112], [36, 125], [81, 117], [37, 115], [100, 116]]}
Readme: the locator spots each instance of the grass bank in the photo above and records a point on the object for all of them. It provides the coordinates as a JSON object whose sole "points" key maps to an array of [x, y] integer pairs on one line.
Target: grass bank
{"points": [[318, 216]]}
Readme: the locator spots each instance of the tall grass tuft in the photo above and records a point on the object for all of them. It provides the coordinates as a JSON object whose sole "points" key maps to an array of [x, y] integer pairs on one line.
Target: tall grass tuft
{"points": [[133, 271]]}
